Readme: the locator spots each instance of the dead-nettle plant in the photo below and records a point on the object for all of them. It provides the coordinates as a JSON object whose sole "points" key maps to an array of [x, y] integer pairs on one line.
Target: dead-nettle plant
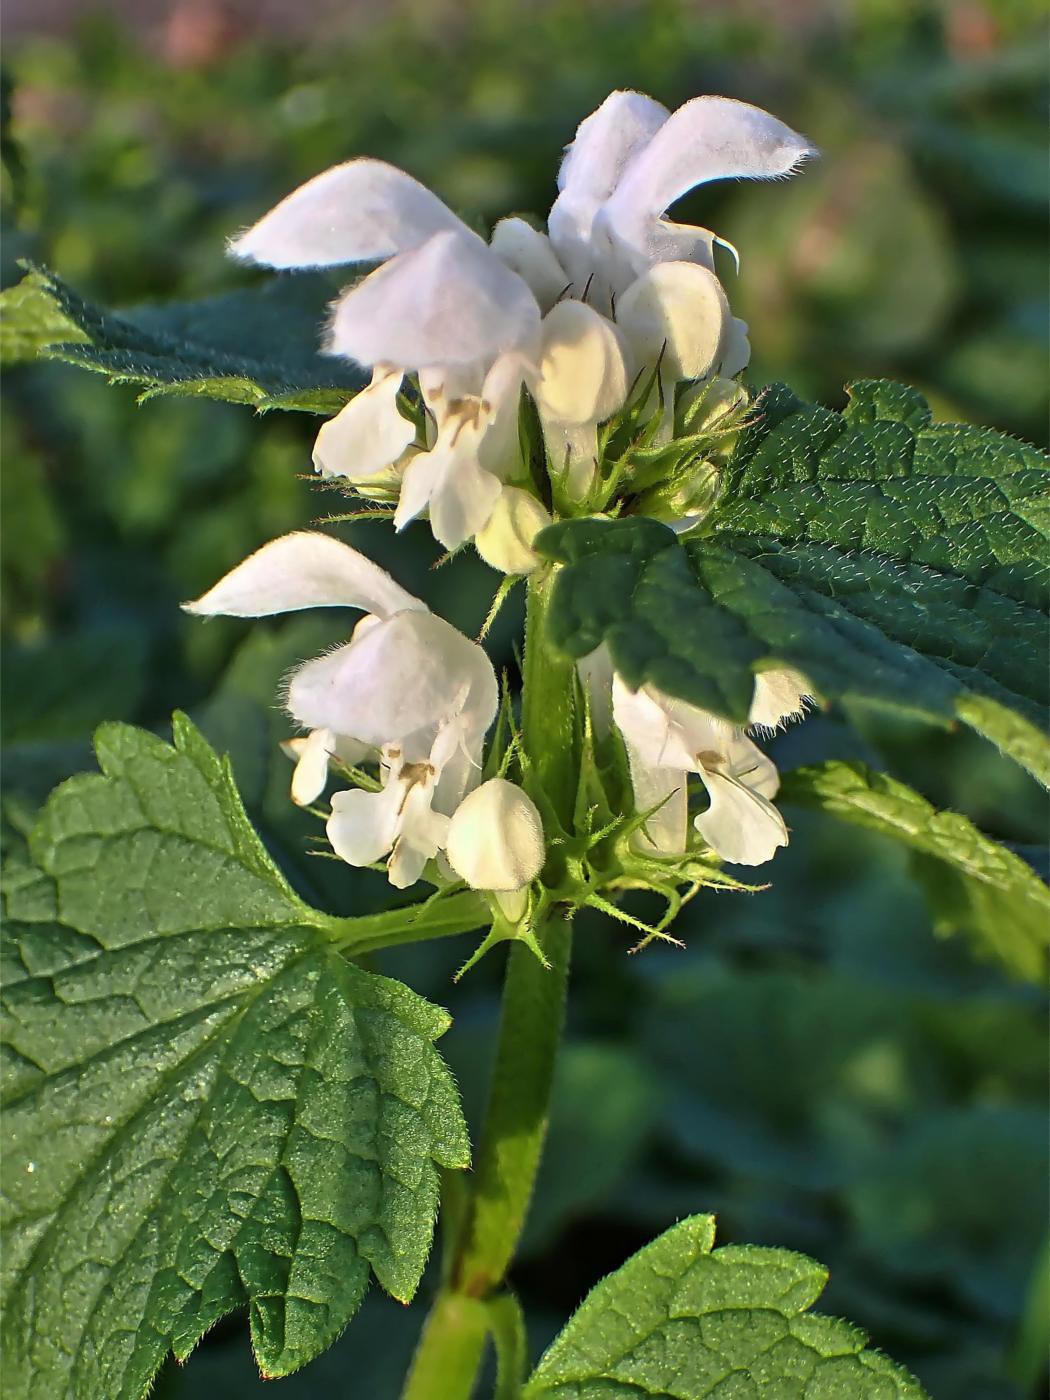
{"points": [[210, 1103]]}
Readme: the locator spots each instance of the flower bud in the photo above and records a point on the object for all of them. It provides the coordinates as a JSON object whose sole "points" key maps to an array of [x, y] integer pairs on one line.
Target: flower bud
{"points": [[677, 314], [506, 541], [710, 405], [689, 496], [495, 839]]}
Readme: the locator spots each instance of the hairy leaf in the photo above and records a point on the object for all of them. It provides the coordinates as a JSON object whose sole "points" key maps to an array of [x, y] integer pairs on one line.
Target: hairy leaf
{"points": [[257, 346], [887, 558], [206, 1106], [1004, 902], [31, 320], [682, 1319]]}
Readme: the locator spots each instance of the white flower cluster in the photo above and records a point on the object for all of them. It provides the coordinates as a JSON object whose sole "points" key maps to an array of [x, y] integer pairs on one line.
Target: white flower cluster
{"points": [[577, 315], [668, 739], [408, 692], [612, 290]]}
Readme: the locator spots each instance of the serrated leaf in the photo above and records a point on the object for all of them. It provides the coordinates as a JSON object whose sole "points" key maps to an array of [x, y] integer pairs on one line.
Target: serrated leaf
{"points": [[683, 1319], [887, 558], [206, 1106], [1008, 904], [259, 346]]}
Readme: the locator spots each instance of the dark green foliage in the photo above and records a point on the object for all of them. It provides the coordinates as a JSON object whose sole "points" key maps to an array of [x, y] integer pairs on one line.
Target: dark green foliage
{"points": [[206, 1107], [994, 894], [258, 346], [887, 558]]}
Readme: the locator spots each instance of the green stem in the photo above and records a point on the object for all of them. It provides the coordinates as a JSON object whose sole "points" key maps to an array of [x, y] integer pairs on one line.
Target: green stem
{"points": [[508, 1333], [450, 1350], [516, 1119], [533, 1014], [367, 933], [1027, 1359], [548, 722]]}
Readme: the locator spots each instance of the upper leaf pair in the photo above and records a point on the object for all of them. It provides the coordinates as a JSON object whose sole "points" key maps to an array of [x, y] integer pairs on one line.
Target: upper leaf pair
{"points": [[887, 558]]}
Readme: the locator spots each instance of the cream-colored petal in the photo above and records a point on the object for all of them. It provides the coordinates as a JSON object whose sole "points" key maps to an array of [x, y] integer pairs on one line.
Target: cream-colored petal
{"points": [[675, 314], [583, 371], [310, 775], [495, 838], [781, 695], [369, 435], [505, 543], [741, 825]]}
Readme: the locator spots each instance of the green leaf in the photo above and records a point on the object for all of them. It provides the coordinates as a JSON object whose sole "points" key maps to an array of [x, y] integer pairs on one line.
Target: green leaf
{"points": [[206, 1106], [258, 346], [984, 885], [887, 558], [682, 1319], [31, 321]]}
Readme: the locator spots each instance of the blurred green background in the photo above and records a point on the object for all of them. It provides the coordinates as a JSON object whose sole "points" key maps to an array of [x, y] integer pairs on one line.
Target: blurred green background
{"points": [[820, 1068]]}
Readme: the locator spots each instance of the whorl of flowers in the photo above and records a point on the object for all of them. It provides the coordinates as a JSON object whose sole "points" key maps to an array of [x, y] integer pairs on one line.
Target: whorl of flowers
{"points": [[614, 308]]}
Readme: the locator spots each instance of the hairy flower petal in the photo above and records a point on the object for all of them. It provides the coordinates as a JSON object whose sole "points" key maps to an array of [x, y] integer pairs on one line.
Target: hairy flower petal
{"points": [[361, 211], [304, 570], [495, 838], [403, 675], [677, 314], [709, 138], [449, 302]]}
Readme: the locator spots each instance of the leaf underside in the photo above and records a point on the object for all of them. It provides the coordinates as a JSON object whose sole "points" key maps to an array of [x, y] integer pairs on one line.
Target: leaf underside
{"points": [[683, 1320], [205, 1107], [888, 558], [259, 345], [1004, 903]]}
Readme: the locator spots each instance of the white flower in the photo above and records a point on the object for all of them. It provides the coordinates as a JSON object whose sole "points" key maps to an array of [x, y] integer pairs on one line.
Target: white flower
{"points": [[495, 840], [632, 159], [369, 437], [582, 381], [312, 755], [457, 311], [506, 541], [666, 739], [407, 684], [460, 479]]}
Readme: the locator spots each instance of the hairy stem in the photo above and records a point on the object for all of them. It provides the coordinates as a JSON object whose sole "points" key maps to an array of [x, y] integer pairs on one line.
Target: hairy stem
{"points": [[516, 1119], [512, 1137]]}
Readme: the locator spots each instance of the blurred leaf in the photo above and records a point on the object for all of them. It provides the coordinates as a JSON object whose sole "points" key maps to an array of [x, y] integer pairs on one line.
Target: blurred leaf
{"points": [[972, 882], [602, 1111], [679, 1318], [207, 1107], [258, 346], [886, 557], [715, 1036], [31, 320], [62, 688], [960, 1199]]}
